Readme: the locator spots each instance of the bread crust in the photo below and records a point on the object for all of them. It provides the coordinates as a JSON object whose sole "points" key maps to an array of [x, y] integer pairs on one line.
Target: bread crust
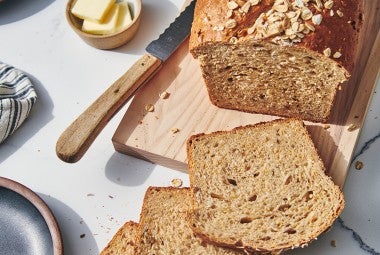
{"points": [[130, 226], [144, 219], [145, 209], [340, 34], [228, 243]]}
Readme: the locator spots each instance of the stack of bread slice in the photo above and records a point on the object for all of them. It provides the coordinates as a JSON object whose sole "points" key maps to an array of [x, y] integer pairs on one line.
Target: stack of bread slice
{"points": [[258, 189]]}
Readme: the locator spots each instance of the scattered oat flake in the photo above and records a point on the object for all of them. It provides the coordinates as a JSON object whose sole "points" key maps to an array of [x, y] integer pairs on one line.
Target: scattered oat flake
{"points": [[176, 182], [164, 95], [329, 4], [333, 243], [254, 2], [149, 108], [232, 5], [245, 8], [82, 235], [233, 40], [317, 19], [359, 165], [337, 54], [231, 23], [229, 14], [175, 130], [327, 52], [326, 126], [340, 13]]}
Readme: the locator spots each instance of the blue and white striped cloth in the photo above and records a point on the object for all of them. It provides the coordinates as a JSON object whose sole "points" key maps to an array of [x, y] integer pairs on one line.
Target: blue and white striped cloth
{"points": [[17, 97]]}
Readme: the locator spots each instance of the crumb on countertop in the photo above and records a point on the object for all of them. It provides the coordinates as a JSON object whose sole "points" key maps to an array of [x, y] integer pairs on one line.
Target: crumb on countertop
{"points": [[359, 165], [176, 182]]}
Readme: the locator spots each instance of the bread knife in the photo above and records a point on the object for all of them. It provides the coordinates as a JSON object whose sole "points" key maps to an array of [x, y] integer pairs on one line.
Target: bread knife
{"points": [[77, 138]]}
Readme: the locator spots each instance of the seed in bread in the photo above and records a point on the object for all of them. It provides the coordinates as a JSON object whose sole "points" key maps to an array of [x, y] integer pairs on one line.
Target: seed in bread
{"points": [[261, 188], [271, 56]]}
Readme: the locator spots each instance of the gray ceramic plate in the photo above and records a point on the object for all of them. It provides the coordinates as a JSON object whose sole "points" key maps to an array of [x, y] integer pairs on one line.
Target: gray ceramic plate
{"points": [[27, 226]]}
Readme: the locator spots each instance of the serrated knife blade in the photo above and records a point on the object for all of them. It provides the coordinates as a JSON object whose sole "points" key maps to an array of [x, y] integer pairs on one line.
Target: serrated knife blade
{"points": [[77, 138], [173, 36]]}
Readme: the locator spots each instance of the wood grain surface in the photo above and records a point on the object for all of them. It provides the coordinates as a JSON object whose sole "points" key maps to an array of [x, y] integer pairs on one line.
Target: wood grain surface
{"points": [[151, 136]]}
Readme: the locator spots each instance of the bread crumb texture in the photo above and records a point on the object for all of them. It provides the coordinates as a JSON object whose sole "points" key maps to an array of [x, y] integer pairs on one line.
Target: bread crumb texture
{"points": [[261, 187], [164, 229]]}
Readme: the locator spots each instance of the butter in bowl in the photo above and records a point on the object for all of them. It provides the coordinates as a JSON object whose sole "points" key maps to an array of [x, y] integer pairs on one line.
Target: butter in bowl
{"points": [[104, 24]]}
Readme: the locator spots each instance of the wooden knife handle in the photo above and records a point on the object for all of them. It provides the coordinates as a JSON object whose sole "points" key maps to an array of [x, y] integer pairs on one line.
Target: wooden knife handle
{"points": [[78, 137]]}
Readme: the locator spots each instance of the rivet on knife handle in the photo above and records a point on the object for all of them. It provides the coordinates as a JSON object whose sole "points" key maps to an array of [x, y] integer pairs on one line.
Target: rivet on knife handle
{"points": [[78, 137]]}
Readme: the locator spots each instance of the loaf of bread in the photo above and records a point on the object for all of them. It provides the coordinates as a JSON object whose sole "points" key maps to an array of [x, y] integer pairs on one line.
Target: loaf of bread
{"points": [[123, 241], [163, 228], [261, 188], [278, 57]]}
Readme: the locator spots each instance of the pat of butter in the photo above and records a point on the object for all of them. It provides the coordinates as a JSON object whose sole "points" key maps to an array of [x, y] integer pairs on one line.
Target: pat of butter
{"points": [[95, 10], [125, 17], [106, 27]]}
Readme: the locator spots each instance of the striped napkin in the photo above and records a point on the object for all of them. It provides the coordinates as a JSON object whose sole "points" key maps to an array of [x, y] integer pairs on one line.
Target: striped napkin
{"points": [[17, 97]]}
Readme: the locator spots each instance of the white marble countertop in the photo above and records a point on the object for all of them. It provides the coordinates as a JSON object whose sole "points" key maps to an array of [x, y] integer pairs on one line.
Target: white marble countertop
{"points": [[103, 190]]}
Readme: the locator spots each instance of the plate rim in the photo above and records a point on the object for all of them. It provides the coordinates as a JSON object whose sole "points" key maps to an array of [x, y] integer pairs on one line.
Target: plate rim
{"points": [[41, 206]]}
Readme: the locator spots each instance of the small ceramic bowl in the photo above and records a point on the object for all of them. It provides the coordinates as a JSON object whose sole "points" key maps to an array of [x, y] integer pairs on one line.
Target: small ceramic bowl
{"points": [[109, 41]]}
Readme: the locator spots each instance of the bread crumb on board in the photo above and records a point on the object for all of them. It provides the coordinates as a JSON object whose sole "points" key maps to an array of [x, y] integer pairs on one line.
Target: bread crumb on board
{"points": [[352, 127], [149, 108], [333, 243], [174, 130], [164, 95]]}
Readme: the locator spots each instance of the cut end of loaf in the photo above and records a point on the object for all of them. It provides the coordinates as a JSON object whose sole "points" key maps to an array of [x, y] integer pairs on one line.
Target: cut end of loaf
{"points": [[263, 77], [284, 58], [261, 188]]}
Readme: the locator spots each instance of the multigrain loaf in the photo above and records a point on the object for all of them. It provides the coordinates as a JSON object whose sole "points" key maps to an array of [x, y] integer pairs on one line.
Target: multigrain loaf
{"points": [[261, 188], [163, 228], [279, 57], [122, 243]]}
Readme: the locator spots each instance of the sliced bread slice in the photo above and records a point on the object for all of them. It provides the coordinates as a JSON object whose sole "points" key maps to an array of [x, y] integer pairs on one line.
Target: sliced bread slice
{"points": [[163, 228], [261, 187], [123, 241]]}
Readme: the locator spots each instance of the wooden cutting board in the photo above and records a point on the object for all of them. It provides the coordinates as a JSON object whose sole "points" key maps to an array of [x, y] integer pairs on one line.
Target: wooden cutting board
{"points": [[151, 136]]}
